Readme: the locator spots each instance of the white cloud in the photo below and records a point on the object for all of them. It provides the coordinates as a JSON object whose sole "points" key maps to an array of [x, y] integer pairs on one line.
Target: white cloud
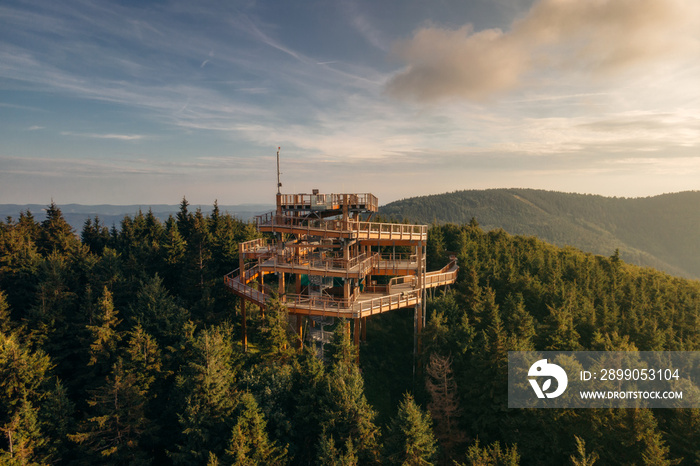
{"points": [[120, 137]]}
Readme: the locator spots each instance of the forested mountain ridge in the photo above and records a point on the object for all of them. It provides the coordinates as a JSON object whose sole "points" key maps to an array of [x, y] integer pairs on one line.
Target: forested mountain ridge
{"points": [[123, 347], [659, 231]]}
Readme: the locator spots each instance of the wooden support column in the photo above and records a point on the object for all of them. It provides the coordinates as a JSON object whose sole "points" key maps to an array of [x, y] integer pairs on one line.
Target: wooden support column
{"points": [[244, 337], [419, 276], [262, 286], [357, 338], [241, 277], [420, 305], [364, 329], [300, 330], [345, 210], [280, 288], [346, 258], [281, 291]]}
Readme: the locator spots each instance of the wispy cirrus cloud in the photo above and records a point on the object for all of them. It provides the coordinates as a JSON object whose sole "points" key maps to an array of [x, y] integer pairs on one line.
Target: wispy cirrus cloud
{"points": [[119, 137]]}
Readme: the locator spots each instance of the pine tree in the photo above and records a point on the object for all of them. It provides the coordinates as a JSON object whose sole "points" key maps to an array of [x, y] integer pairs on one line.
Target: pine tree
{"points": [[521, 324], [306, 405], [207, 388], [330, 455], [435, 248], [105, 336], [23, 373], [23, 437], [559, 329], [274, 332], [184, 219], [341, 349], [199, 242], [95, 235], [173, 244], [142, 357], [56, 421], [116, 421], [6, 324], [19, 262], [491, 455], [250, 444], [158, 312], [346, 412], [436, 335], [410, 439], [583, 459], [28, 226], [444, 405], [56, 234]]}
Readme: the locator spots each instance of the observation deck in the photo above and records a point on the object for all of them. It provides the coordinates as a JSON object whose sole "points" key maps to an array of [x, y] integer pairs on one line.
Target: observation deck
{"points": [[321, 244]]}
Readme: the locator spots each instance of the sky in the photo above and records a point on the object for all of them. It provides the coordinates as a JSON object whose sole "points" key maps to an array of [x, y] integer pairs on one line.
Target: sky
{"points": [[137, 101]]}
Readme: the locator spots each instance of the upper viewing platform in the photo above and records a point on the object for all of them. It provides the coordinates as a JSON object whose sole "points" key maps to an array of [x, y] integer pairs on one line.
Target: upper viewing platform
{"points": [[327, 204]]}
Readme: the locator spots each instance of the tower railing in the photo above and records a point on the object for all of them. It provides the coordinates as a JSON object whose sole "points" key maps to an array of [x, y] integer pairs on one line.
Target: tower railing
{"points": [[351, 228]]}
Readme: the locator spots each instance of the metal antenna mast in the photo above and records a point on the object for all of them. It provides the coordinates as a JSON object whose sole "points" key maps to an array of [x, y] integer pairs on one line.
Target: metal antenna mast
{"points": [[279, 185]]}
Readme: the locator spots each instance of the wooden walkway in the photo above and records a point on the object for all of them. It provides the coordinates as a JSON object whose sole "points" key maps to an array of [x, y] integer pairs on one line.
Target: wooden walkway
{"points": [[400, 295]]}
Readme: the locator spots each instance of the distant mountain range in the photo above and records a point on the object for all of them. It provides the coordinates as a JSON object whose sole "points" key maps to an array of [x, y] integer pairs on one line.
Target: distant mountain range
{"points": [[76, 214], [660, 231]]}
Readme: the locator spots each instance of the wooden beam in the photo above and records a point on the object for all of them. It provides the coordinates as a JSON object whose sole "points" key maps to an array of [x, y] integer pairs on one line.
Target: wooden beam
{"points": [[244, 336], [357, 339], [300, 330]]}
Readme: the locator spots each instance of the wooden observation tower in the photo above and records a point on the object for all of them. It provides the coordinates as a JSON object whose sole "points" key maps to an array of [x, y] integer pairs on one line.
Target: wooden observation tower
{"points": [[326, 260]]}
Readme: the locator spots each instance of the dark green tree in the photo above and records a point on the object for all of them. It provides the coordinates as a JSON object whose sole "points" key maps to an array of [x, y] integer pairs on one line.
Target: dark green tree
{"points": [[105, 335], [249, 443], [56, 235], [207, 388], [57, 420], [341, 349], [95, 235], [274, 330], [116, 421], [23, 437], [583, 458], [158, 312], [346, 414], [492, 455], [410, 439], [6, 323], [330, 455]]}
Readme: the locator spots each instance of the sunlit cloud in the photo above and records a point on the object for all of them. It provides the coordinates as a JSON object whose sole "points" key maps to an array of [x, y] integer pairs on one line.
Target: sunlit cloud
{"points": [[569, 38]]}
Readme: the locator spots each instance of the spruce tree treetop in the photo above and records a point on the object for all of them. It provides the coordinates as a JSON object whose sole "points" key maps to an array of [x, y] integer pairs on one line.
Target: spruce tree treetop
{"points": [[410, 439], [56, 234]]}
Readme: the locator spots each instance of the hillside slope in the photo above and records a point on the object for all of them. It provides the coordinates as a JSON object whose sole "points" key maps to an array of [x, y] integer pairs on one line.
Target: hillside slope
{"points": [[659, 231]]}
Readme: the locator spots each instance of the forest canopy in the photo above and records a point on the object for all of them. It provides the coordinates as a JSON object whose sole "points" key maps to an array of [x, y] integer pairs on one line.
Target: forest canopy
{"points": [[121, 345]]}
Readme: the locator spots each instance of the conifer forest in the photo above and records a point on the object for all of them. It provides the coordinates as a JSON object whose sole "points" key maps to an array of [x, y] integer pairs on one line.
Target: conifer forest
{"points": [[121, 345]]}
